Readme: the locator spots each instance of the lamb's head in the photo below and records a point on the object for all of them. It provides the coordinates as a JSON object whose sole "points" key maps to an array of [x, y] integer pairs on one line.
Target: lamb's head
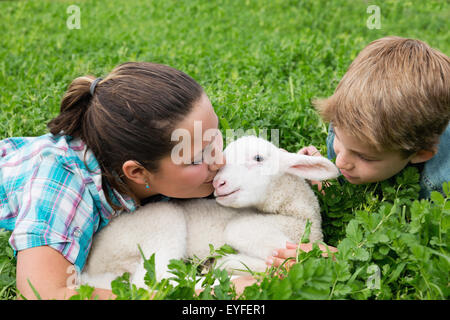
{"points": [[252, 163]]}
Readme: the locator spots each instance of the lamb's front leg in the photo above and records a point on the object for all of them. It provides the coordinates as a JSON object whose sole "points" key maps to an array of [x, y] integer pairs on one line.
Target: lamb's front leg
{"points": [[175, 248], [167, 242], [254, 238]]}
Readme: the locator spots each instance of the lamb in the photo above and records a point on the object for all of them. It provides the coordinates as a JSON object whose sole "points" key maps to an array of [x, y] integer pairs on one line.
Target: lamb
{"points": [[262, 201]]}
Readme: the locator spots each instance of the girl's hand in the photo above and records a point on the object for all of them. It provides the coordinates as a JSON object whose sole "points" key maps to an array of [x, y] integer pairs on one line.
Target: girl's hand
{"points": [[279, 255]]}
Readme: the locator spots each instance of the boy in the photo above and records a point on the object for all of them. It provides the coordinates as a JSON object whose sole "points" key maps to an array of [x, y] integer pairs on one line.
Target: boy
{"points": [[391, 109]]}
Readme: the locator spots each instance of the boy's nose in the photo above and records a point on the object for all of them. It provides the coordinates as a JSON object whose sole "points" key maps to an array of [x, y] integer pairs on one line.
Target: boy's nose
{"points": [[342, 163]]}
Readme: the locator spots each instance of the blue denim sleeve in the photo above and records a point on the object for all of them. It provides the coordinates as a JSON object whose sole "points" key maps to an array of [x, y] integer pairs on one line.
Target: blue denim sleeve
{"points": [[330, 139], [436, 171]]}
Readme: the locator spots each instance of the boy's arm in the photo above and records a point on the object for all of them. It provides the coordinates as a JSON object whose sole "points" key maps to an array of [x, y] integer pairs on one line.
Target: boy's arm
{"points": [[49, 273]]}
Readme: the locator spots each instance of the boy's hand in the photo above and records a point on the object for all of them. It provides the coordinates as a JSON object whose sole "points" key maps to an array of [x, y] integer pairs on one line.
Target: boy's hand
{"points": [[279, 255], [309, 151]]}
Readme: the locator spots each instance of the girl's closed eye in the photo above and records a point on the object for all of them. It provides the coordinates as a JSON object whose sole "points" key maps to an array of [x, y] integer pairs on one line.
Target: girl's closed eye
{"points": [[197, 160]]}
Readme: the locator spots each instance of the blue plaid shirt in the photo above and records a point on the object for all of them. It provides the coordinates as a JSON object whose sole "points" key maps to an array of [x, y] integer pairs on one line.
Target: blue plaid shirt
{"points": [[48, 197]]}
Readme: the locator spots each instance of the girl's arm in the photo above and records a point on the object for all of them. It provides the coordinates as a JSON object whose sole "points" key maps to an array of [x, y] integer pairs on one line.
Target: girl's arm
{"points": [[49, 273]]}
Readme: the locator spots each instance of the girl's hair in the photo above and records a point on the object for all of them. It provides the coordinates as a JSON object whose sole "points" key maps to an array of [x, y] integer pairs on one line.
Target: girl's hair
{"points": [[395, 95], [130, 116]]}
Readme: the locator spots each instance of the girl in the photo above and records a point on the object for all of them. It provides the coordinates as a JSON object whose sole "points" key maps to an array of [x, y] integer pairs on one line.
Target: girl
{"points": [[107, 152]]}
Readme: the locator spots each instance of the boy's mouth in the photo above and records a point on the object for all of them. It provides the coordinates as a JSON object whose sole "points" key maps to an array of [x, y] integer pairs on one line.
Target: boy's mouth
{"points": [[346, 175]]}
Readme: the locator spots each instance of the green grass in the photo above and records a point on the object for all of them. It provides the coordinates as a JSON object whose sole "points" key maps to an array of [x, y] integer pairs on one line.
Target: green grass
{"points": [[260, 62]]}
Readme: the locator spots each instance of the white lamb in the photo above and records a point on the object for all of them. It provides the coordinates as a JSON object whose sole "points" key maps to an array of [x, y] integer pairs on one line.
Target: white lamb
{"points": [[262, 201]]}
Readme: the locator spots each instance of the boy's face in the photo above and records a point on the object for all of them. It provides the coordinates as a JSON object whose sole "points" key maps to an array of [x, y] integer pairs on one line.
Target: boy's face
{"points": [[360, 163]]}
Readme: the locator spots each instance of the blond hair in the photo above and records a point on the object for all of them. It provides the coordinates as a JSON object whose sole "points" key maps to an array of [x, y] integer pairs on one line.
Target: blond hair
{"points": [[395, 95]]}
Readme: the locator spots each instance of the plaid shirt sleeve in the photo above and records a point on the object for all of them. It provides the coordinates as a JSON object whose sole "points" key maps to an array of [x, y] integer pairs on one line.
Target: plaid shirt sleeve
{"points": [[57, 211], [48, 199]]}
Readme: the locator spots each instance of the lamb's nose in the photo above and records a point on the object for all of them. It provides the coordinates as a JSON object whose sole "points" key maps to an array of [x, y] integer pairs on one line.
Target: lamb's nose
{"points": [[219, 183]]}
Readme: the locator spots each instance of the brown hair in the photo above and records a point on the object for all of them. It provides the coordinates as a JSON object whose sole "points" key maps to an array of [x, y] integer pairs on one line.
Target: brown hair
{"points": [[130, 116], [395, 95]]}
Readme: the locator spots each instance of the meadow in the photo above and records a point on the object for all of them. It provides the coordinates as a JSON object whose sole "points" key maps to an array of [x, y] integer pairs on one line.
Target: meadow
{"points": [[261, 63]]}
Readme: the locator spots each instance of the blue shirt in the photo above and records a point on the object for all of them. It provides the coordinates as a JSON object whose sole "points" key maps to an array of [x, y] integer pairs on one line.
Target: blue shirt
{"points": [[435, 171]]}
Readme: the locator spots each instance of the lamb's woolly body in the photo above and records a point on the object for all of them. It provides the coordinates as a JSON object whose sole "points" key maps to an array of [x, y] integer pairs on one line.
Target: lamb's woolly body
{"points": [[179, 229], [158, 228], [289, 195]]}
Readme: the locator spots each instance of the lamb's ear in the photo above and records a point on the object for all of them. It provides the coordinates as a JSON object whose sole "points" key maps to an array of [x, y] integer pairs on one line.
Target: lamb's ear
{"points": [[308, 167]]}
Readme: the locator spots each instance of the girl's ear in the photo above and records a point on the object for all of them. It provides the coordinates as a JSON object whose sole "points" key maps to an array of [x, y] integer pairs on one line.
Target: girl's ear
{"points": [[134, 171], [308, 167]]}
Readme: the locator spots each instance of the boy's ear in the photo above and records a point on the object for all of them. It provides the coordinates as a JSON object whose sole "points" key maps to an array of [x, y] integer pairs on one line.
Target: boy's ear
{"points": [[423, 155], [308, 167]]}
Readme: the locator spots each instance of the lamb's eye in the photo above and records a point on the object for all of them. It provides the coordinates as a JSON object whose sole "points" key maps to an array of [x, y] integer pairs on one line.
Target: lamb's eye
{"points": [[258, 158]]}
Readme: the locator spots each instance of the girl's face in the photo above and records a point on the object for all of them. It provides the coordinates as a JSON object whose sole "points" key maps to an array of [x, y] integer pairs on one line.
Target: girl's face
{"points": [[360, 163], [200, 158]]}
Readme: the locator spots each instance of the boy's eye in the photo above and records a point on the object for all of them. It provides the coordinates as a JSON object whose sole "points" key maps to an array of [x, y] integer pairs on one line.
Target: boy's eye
{"points": [[365, 159]]}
